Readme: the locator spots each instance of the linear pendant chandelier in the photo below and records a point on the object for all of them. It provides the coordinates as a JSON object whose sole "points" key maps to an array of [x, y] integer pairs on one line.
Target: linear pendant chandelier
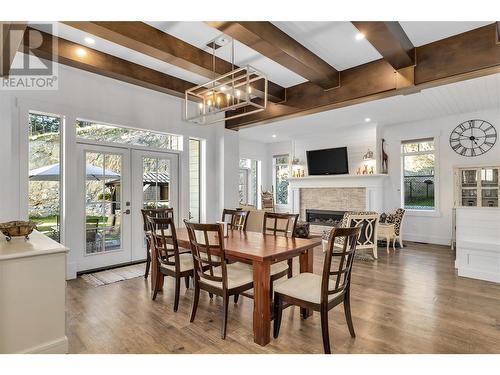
{"points": [[238, 93]]}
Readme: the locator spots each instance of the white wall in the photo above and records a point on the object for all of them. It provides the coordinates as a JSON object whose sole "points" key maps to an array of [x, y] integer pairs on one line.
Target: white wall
{"points": [[90, 96], [422, 227]]}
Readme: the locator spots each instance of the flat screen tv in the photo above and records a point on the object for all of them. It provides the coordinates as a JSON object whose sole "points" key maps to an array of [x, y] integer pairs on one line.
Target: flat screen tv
{"points": [[327, 161]]}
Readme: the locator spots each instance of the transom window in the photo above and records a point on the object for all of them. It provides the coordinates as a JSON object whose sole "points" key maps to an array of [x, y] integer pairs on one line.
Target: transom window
{"points": [[418, 157], [134, 137]]}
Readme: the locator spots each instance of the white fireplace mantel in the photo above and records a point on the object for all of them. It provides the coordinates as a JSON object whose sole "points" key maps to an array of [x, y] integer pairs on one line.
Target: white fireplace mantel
{"points": [[373, 183]]}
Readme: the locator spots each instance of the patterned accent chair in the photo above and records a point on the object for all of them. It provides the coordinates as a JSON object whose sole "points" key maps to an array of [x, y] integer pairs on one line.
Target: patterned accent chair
{"points": [[367, 220], [396, 218]]}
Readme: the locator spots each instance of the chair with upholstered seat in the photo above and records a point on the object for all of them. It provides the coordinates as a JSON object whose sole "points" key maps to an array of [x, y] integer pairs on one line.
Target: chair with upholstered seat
{"points": [[156, 213], [212, 273], [236, 219], [170, 261], [280, 224], [322, 293]]}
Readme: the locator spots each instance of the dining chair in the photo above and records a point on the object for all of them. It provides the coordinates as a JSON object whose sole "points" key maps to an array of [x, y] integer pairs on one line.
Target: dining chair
{"points": [[170, 261], [236, 219], [322, 293], [212, 273], [280, 224], [156, 213]]}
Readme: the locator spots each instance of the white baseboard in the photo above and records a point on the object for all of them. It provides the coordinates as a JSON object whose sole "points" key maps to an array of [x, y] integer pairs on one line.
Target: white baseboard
{"points": [[437, 240], [59, 346]]}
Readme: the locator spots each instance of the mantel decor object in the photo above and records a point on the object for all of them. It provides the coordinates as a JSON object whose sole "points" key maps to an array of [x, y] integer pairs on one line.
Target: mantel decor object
{"points": [[17, 229]]}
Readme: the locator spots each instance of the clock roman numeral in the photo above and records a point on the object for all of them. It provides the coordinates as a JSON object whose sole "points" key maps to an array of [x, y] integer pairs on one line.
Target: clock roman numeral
{"points": [[472, 152]]}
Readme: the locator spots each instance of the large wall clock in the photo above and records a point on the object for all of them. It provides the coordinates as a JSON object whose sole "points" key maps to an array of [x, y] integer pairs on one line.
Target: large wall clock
{"points": [[473, 138]]}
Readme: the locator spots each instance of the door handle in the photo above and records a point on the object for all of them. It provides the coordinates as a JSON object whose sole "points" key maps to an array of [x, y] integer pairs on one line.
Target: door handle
{"points": [[127, 211]]}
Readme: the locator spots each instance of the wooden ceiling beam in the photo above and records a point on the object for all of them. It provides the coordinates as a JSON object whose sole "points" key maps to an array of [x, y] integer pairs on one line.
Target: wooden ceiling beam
{"points": [[69, 53], [152, 42], [390, 40], [278, 46], [464, 56], [11, 37]]}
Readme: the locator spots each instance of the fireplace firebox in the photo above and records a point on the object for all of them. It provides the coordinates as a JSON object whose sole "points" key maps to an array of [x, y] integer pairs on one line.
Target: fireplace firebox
{"points": [[324, 217]]}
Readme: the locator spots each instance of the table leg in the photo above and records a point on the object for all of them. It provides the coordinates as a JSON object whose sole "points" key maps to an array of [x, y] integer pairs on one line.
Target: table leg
{"points": [[388, 241], [261, 302], [306, 265]]}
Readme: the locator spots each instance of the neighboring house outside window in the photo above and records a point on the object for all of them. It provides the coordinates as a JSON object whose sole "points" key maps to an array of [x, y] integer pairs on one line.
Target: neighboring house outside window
{"points": [[418, 177], [281, 168]]}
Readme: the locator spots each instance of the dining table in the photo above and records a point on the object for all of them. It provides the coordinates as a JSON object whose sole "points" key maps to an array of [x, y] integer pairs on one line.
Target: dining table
{"points": [[262, 250]]}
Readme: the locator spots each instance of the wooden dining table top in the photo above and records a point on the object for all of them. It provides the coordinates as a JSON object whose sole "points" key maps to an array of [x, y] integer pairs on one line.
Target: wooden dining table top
{"points": [[257, 246]]}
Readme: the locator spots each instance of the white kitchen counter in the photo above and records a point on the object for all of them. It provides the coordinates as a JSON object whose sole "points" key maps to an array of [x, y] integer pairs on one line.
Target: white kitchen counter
{"points": [[32, 295], [478, 242]]}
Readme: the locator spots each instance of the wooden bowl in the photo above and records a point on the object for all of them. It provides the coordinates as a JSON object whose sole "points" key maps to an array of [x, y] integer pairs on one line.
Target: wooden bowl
{"points": [[17, 229]]}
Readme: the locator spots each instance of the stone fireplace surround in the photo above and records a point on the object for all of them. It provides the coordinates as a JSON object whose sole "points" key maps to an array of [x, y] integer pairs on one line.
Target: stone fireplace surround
{"points": [[336, 193]]}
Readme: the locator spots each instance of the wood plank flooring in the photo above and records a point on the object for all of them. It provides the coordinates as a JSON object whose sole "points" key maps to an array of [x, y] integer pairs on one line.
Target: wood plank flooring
{"points": [[409, 301]]}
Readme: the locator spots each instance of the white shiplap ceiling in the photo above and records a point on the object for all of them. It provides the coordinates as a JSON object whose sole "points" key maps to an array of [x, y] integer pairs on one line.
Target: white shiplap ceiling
{"points": [[334, 42], [424, 32], [461, 97]]}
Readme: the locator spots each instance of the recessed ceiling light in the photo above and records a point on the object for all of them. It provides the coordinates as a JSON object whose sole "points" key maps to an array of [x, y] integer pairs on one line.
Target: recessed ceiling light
{"points": [[81, 52], [89, 40], [274, 136], [367, 119], [360, 36]]}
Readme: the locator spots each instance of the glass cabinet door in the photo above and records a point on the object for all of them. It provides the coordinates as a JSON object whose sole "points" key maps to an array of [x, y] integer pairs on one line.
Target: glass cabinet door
{"points": [[469, 178], [489, 187]]}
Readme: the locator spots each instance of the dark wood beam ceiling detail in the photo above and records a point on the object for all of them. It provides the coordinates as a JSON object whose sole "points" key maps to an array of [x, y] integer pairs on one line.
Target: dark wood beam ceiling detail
{"points": [[459, 54], [152, 42], [110, 66], [11, 37], [390, 40], [273, 43], [460, 57]]}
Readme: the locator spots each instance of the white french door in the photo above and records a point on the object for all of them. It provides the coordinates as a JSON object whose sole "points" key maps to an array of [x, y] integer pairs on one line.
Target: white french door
{"points": [[117, 182], [104, 175], [154, 185]]}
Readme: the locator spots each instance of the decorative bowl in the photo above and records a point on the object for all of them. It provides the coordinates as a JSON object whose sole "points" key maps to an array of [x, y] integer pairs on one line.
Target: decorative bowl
{"points": [[17, 229]]}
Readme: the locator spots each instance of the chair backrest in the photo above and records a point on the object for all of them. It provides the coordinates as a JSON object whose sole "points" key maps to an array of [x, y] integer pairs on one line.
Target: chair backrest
{"points": [[237, 219], [366, 220], [279, 224], [267, 199], [164, 241], [156, 213], [397, 218], [207, 247], [338, 262]]}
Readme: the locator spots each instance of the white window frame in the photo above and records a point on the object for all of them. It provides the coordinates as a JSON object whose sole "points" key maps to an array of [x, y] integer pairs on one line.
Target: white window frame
{"points": [[275, 180], [419, 212]]}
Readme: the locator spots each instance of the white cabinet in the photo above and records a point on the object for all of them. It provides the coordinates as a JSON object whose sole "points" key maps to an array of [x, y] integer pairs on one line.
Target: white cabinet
{"points": [[477, 187], [32, 295]]}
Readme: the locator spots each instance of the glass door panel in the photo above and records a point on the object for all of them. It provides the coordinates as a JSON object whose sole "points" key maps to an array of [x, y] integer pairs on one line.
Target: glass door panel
{"points": [[106, 190], [103, 202], [469, 178], [154, 185]]}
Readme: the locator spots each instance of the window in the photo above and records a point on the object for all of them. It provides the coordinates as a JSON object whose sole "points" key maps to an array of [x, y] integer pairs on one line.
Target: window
{"points": [[281, 174], [44, 186], [419, 174], [248, 181], [133, 137], [195, 180]]}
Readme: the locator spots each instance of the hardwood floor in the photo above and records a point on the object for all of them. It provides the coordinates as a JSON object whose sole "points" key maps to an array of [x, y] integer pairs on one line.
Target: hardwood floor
{"points": [[409, 301]]}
